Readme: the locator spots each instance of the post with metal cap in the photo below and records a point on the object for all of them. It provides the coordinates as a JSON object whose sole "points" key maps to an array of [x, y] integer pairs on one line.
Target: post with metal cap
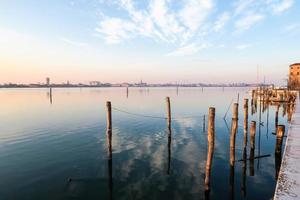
{"points": [[168, 112], [211, 144]]}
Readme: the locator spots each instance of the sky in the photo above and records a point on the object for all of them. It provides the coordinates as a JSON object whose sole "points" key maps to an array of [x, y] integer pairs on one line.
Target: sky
{"points": [[157, 41]]}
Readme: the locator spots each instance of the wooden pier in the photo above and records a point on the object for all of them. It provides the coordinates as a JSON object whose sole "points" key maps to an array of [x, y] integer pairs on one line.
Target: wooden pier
{"points": [[288, 185]]}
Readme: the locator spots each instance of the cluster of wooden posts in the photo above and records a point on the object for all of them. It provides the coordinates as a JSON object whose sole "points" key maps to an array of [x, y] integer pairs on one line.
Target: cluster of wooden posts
{"points": [[280, 129]]}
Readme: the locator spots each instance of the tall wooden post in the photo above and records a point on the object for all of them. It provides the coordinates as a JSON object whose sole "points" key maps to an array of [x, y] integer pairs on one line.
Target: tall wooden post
{"points": [[245, 121], [168, 111], [211, 144], [252, 146], [108, 115], [252, 134], [235, 111], [109, 146], [234, 126]]}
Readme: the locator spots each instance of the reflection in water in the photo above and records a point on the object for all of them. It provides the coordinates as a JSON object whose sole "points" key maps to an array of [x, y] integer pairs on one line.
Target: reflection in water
{"points": [[278, 148], [49, 95], [140, 144], [244, 172], [252, 146], [109, 163], [169, 151]]}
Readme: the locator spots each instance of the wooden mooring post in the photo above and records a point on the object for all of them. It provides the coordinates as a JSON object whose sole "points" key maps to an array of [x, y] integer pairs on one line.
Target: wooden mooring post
{"points": [[168, 112], [108, 115], [211, 144], [252, 146], [245, 121], [109, 147], [234, 126], [109, 128]]}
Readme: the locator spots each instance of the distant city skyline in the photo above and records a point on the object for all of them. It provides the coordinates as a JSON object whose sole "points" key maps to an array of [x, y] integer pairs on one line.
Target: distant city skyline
{"points": [[158, 41]]}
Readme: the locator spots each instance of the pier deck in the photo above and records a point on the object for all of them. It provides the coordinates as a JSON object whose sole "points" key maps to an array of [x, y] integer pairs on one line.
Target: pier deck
{"points": [[288, 185]]}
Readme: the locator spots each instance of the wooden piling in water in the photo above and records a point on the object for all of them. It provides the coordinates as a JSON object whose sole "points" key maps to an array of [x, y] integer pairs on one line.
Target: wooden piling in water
{"points": [[234, 126], [168, 112], [108, 115], [245, 121], [235, 111], [252, 134], [252, 146], [211, 144]]}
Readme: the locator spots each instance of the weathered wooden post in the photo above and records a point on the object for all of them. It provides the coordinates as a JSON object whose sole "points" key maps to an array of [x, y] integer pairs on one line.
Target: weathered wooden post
{"points": [[168, 111], [108, 115], [245, 121], [109, 128], [109, 146], [211, 144], [278, 147], [234, 126], [235, 111], [252, 146], [252, 134]]}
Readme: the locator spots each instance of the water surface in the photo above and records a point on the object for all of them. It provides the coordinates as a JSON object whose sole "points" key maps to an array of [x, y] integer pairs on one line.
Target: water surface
{"points": [[46, 142]]}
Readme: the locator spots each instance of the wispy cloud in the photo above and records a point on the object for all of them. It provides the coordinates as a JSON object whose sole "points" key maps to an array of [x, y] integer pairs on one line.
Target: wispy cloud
{"points": [[187, 50], [247, 21], [73, 43], [282, 6], [158, 20], [243, 46], [292, 27], [221, 21]]}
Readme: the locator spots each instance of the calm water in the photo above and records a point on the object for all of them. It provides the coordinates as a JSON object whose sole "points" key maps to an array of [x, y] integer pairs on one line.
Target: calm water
{"points": [[43, 145]]}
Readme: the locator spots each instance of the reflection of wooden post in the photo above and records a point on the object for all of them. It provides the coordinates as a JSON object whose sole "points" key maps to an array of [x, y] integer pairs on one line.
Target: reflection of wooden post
{"points": [[203, 123], [168, 112], [245, 121], [211, 144], [276, 119], [279, 137], [169, 152], [252, 146], [244, 172]]}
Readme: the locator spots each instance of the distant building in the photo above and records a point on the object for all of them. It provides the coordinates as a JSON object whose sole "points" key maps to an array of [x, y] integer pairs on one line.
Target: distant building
{"points": [[294, 76], [95, 83], [48, 81]]}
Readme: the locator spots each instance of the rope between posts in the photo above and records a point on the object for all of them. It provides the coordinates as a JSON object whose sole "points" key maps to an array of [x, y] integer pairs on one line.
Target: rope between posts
{"points": [[155, 117]]}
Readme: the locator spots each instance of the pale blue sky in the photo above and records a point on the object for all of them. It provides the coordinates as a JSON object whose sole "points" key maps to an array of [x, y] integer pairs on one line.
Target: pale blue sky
{"points": [[155, 40]]}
